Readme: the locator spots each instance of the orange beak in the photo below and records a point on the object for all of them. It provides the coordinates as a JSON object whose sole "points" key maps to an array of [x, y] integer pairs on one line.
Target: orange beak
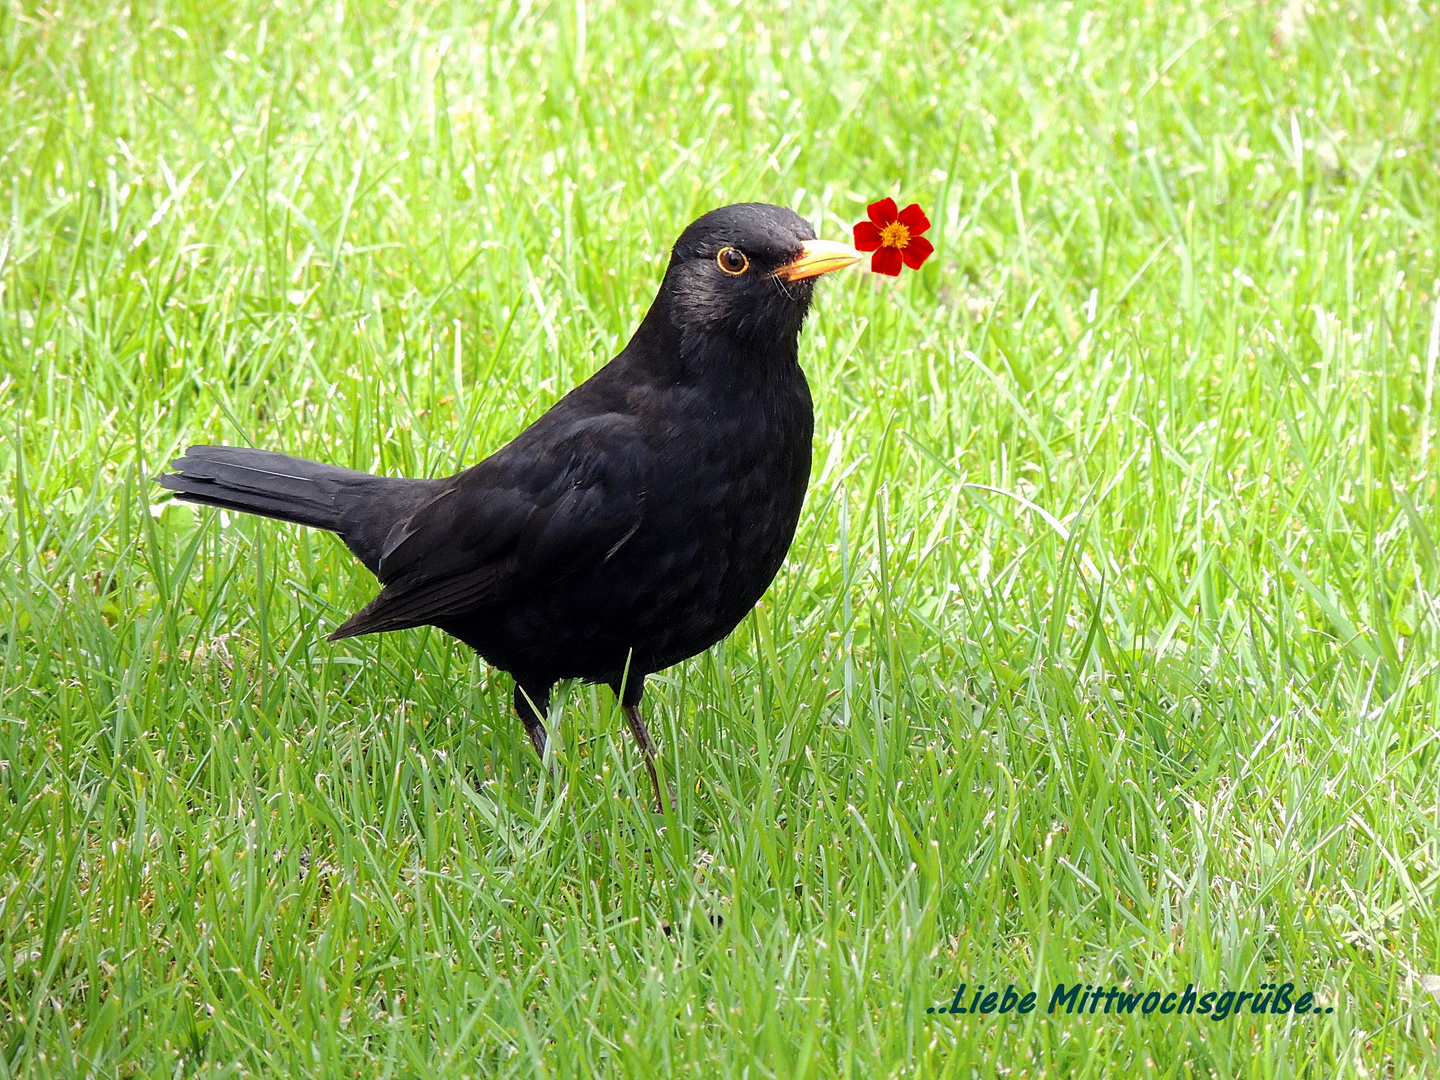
{"points": [[819, 257]]}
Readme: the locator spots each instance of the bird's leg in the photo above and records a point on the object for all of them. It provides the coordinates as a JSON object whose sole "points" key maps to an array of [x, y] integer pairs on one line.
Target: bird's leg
{"points": [[532, 704], [629, 690], [647, 747]]}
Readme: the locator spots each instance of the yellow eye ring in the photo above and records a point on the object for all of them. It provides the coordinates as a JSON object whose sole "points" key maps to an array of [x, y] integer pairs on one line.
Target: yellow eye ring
{"points": [[732, 261]]}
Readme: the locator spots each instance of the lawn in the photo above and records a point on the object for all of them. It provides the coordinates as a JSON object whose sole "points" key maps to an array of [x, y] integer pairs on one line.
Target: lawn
{"points": [[1106, 652]]}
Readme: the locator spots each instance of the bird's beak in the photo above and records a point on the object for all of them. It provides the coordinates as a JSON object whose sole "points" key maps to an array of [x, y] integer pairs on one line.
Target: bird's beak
{"points": [[819, 257]]}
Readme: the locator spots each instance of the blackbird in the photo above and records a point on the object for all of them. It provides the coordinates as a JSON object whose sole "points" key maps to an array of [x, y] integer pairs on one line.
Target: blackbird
{"points": [[631, 526]]}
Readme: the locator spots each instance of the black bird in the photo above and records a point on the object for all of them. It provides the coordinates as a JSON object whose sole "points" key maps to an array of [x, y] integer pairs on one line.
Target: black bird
{"points": [[631, 526]]}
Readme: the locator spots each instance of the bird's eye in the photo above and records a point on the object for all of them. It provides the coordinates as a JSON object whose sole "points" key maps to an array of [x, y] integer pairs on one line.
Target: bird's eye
{"points": [[732, 261]]}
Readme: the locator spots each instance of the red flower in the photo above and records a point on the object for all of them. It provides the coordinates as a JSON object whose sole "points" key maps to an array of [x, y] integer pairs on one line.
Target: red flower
{"points": [[894, 236]]}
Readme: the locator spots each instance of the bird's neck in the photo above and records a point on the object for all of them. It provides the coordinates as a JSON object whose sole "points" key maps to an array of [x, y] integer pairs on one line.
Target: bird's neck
{"points": [[663, 353]]}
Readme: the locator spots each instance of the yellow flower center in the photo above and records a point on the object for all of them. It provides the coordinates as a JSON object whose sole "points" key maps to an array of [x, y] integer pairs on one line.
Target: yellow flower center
{"points": [[895, 235]]}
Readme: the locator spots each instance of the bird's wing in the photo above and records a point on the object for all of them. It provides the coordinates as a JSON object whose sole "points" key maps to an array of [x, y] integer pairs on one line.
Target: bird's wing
{"points": [[536, 511]]}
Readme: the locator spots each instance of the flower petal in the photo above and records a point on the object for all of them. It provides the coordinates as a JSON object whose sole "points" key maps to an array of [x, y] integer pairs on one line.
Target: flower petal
{"points": [[917, 251], [914, 219], [882, 213], [886, 261], [867, 236]]}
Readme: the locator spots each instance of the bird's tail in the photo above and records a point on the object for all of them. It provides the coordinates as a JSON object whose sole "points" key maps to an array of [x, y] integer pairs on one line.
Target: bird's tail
{"points": [[266, 483]]}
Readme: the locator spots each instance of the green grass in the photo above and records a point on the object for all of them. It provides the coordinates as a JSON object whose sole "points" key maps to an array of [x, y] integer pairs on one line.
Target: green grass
{"points": [[1107, 650]]}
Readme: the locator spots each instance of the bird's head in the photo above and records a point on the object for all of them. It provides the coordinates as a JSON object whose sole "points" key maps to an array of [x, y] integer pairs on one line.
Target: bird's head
{"points": [[747, 272]]}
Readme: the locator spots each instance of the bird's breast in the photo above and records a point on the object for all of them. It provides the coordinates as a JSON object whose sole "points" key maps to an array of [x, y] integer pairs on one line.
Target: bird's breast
{"points": [[726, 479], [720, 512]]}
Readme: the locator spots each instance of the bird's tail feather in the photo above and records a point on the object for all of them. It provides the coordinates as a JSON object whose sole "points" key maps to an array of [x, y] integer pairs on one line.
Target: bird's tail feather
{"points": [[266, 483]]}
